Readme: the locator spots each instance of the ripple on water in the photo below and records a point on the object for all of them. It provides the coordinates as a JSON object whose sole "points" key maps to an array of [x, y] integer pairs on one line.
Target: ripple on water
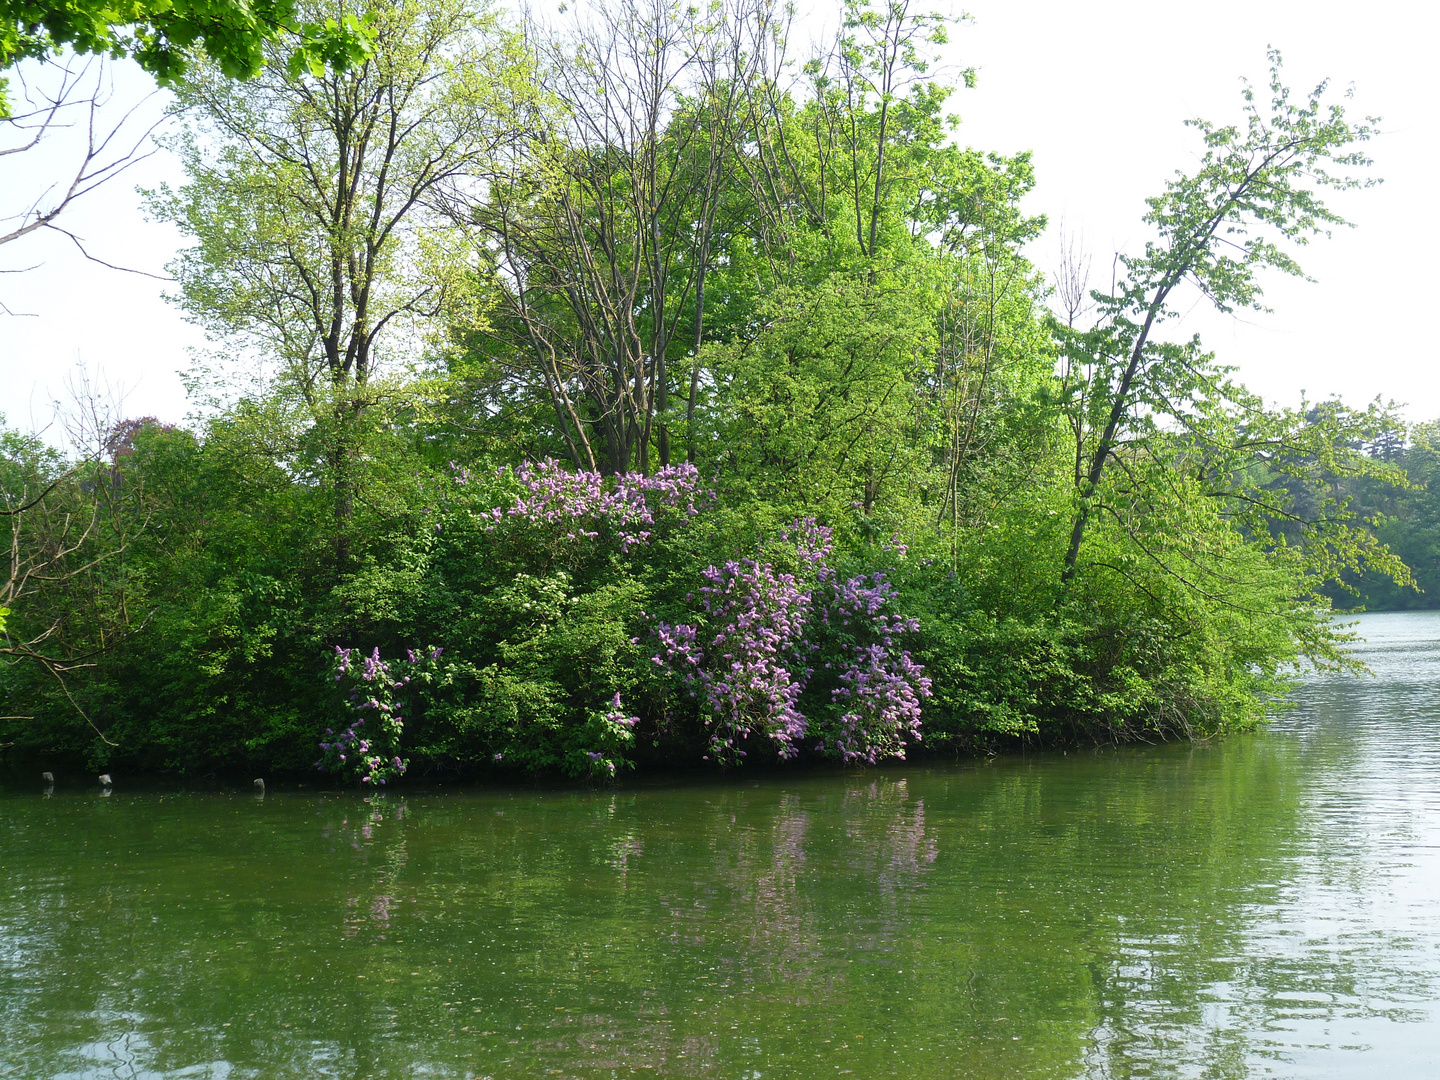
{"points": [[1265, 906]]}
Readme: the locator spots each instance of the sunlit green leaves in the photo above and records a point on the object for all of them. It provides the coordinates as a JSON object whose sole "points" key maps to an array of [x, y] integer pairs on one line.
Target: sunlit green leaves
{"points": [[164, 36]]}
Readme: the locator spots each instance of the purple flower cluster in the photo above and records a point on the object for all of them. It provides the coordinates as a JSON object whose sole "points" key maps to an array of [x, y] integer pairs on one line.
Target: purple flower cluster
{"points": [[612, 730], [751, 655], [617, 716], [881, 685], [749, 672], [371, 755], [579, 502]]}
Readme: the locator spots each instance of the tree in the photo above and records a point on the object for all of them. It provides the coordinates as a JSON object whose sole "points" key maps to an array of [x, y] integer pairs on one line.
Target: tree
{"points": [[312, 199], [65, 596], [1256, 187], [888, 298], [595, 243]]}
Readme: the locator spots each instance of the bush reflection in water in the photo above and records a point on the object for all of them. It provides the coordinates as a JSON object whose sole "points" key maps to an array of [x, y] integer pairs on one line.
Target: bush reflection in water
{"points": [[1257, 907]]}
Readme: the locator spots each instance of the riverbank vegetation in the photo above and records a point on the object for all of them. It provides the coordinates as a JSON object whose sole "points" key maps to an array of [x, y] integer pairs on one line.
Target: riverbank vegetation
{"points": [[641, 389]]}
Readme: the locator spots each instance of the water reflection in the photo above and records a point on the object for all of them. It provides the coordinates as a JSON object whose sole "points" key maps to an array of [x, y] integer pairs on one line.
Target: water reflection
{"points": [[1263, 907]]}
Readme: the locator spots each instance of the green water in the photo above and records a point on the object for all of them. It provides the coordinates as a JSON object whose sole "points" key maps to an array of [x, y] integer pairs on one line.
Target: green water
{"points": [[1267, 906]]}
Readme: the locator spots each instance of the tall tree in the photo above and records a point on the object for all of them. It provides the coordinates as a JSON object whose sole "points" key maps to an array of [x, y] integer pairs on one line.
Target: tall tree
{"points": [[312, 199], [595, 244], [884, 265], [1257, 187]]}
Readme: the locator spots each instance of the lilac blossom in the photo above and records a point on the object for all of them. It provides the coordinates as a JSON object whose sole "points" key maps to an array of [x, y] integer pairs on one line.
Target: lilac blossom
{"points": [[612, 729], [371, 757], [751, 656], [580, 502], [748, 669], [617, 716]]}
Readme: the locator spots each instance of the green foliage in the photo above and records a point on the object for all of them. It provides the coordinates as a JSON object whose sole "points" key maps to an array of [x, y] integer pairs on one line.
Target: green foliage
{"points": [[808, 291], [163, 36], [1405, 518], [1255, 188], [820, 402]]}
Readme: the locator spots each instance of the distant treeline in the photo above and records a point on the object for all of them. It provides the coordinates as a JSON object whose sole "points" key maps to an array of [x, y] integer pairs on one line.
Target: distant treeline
{"points": [[1406, 519]]}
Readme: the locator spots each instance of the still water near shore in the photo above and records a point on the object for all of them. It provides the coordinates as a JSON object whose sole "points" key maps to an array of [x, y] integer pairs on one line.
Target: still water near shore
{"points": [[1263, 906]]}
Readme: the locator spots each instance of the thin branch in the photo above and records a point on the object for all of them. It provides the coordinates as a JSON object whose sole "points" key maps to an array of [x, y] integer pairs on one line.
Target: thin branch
{"points": [[96, 259]]}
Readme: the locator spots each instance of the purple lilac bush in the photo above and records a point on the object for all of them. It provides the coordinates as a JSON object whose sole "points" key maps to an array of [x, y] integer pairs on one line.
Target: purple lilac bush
{"points": [[880, 684], [609, 732], [752, 655], [578, 504], [368, 749], [781, 650]]}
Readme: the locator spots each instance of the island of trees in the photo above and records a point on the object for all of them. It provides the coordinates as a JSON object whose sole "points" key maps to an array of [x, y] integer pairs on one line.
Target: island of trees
{"points": [[644, 389]]}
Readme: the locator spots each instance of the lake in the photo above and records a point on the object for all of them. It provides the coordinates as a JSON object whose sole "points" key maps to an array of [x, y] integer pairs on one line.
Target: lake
{"points": [[1263, 906]]}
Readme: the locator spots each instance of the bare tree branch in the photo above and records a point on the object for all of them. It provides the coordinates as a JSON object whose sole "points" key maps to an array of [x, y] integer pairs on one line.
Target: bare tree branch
{"points": [[82, 97]]}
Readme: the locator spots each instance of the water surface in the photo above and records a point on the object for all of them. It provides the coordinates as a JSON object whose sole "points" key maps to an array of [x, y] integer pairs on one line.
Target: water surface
{"points": [[1264, 906]]}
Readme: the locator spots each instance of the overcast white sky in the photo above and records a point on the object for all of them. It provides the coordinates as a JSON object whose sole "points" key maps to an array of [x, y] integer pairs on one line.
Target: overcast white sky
{"points": [[1098, 92]]}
